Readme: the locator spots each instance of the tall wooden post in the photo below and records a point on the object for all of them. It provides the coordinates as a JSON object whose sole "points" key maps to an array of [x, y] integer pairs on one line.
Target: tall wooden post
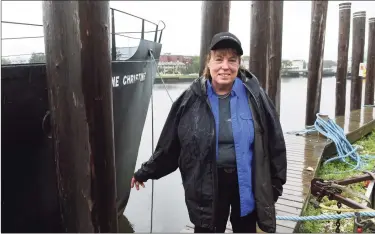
{"points": [[342, 57], [259, 27], [215, 19], [80, 97], [359, 27], [315, 65], [370, 70], [275, 50]]}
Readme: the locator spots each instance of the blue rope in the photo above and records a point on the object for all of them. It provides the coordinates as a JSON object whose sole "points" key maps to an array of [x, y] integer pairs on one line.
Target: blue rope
{"points": [[344, 149], [326, 216]]}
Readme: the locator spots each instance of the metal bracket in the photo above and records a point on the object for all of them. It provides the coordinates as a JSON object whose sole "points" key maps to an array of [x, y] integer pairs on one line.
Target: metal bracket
{"points": [[320, 188]]}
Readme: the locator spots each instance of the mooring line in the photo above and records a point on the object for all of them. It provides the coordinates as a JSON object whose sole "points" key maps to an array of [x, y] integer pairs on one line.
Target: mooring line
{"points": [[152, 146], [152, 131]]}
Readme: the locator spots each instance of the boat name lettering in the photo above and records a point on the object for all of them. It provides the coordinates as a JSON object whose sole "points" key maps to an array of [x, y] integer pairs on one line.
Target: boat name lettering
{"points": [[128, 79]]}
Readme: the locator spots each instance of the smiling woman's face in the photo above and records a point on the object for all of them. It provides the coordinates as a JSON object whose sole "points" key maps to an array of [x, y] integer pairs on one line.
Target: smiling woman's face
{"points": [[224, 65]]}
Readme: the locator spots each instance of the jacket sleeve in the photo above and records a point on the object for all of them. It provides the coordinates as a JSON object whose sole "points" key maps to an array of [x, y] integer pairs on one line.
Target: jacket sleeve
{"points": [[277, 148], [164, 160]]}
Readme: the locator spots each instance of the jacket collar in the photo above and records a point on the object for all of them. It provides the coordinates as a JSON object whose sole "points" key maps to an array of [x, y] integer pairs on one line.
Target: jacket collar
{"points": [[237, 87]]}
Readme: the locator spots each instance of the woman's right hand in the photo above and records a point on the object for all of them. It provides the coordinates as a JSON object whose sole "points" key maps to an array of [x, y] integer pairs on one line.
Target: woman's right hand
{"points": [[133, 181]]}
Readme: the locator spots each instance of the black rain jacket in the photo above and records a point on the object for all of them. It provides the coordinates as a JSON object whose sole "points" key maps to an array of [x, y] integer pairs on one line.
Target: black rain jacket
{"points": [[188, 142]]}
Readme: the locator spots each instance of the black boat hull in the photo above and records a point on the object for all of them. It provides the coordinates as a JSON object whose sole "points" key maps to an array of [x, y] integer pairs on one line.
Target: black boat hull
{"points": [[29, 188]]}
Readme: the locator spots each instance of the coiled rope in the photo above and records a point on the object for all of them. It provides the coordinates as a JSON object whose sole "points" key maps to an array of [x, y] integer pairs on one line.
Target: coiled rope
{"points": [[345, 150], [326, 216]]}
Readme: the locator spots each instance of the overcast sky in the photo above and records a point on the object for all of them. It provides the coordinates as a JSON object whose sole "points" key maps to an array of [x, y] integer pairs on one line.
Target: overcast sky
{"points": [[182, 33]]}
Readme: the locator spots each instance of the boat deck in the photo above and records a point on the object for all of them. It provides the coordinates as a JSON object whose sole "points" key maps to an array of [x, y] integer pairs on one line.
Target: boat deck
{"points": [[304, 153]]}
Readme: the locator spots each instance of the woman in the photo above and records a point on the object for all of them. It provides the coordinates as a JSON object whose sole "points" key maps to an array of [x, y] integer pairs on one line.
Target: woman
{"points": [[224, 135]]}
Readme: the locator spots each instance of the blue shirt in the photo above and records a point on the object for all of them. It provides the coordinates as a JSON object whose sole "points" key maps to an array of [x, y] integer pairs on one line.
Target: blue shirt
{"points": [[243, 134]]}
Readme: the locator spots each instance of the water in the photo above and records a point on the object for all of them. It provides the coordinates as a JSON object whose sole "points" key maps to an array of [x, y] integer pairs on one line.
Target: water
{"points": [[170, 213]]}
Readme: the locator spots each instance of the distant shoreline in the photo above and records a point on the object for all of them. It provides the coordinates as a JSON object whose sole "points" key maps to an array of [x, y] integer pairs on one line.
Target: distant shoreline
{"points": [[174, 80], [184, 79]]}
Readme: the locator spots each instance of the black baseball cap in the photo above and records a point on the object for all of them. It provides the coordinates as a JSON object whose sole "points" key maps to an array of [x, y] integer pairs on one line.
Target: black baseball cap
{"points": [[226, 40]]}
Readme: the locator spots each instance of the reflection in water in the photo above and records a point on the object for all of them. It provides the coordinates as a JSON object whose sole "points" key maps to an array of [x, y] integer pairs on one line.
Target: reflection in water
{"points": [[170, 213], [368, 114]]}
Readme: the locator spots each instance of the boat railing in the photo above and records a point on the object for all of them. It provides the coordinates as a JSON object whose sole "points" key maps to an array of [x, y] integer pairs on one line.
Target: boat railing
{"points": [[157, 32]]}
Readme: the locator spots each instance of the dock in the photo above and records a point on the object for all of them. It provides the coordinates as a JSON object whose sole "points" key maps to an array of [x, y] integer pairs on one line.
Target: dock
{"points": [[304, 154]]}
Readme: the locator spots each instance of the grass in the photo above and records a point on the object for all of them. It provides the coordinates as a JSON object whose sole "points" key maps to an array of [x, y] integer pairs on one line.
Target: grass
{"points": [[367, 147]]}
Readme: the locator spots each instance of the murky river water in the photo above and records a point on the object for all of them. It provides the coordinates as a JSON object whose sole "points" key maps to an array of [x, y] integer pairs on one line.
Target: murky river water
{"points": [[169, 210]]}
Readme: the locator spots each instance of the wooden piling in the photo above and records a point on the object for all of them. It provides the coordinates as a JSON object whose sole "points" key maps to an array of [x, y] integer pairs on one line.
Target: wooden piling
{"points": [[342, 57], [80, 98], [215, 19], [259, 27], [359, 26], [315, 65], [275, 50], [370, 69]]}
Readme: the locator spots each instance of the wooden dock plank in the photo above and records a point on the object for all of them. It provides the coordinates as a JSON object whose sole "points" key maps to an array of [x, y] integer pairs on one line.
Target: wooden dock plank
{"points": [[290, 203], [286, 208], [307, 151], [294, 193], [281, 229], [292, 198]]}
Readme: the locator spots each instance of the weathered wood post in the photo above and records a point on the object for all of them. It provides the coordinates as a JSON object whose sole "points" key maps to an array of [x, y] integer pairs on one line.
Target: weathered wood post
{"points": [[275, 50], [315, 65], [80, 97], [342, 57], [215, 19], [359, 27], [259, 27], [370, 69]]}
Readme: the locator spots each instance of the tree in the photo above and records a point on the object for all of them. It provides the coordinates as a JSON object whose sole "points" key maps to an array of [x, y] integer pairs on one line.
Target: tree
{"points": [[329, 63], [286, 63], [5, 61], [37, 58], [194, 66]]}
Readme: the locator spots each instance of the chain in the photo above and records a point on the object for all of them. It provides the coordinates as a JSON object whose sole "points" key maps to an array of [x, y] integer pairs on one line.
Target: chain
{"points": [[338, 220], [365, 225]]}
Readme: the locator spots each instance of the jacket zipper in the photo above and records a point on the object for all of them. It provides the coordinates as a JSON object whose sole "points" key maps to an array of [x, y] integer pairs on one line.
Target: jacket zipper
{"points": [[214, 171]]}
